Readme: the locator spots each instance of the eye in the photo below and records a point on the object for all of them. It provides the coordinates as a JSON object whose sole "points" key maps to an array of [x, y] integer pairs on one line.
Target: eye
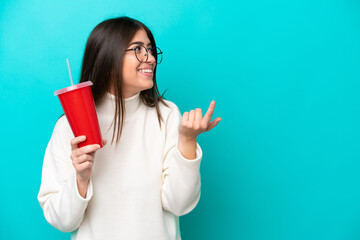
{"points": [[137, 48], [152, 51]]}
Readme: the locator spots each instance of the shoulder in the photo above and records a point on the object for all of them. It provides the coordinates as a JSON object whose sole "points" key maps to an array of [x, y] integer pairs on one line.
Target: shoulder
{"points": [[62, 127], [172, 108], [171, 113], [61, 123], [60, 139]]}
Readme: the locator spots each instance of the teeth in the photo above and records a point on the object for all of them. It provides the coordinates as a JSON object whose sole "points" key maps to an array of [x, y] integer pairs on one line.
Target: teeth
{"points": [[146, 70]]}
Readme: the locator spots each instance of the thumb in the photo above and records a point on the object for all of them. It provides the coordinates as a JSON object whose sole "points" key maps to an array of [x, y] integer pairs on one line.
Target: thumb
{"points": [[213, 124]]}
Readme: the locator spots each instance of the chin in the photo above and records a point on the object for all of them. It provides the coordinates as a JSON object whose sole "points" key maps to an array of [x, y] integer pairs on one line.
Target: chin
{"points": [[146, 88], [150, 85], [147, 84]]}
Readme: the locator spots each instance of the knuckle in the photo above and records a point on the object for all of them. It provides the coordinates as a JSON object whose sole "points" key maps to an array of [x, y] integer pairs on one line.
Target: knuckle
{"points": [[87, 157], [80, 168], [82, 158], [73, 141], [80, 152], [77, 167]]}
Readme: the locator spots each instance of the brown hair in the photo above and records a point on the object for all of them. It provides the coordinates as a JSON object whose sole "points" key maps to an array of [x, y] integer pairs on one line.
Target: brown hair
{"points": [[102, 64]]}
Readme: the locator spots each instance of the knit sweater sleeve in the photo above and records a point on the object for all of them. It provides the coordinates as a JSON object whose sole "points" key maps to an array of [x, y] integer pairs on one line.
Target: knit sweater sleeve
{"points": [[180, 176], [59, 197]]}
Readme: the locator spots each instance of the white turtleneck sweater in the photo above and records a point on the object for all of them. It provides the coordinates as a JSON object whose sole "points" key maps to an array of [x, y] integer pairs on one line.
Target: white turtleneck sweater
{"points": [[138, 188]]}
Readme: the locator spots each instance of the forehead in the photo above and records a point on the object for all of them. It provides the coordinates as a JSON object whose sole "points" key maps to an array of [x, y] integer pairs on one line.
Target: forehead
{"points": [[140, 36]]}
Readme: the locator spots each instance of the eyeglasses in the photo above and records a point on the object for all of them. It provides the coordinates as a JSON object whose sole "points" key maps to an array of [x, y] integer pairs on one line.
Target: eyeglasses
{"points": [[142, 56]]}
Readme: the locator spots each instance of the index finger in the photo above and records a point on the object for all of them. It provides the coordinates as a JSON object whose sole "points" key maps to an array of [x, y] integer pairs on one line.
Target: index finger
{"points": [[75, 141], [88, 149], [210, 111]]}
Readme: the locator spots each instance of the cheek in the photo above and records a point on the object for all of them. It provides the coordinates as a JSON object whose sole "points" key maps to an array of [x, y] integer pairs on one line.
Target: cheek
{"points": [[129, 68]]}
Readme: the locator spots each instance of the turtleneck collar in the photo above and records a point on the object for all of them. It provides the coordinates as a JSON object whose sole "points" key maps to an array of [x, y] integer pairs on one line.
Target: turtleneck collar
{"points": [[107, 105]]}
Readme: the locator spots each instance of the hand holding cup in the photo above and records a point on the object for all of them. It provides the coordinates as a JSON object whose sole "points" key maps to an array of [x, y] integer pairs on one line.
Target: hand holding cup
{"points": [[83, 160]]}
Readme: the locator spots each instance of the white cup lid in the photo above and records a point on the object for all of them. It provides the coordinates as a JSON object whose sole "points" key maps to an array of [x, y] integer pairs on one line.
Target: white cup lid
{"points": [[73, 87]]}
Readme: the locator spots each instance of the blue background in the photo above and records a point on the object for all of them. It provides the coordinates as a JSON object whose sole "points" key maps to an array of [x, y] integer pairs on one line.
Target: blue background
{"points": [[284, 161]]}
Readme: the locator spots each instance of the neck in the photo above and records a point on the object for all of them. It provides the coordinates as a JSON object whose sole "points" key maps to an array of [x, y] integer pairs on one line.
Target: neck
{"points": [[107, 105], [125, 94]]}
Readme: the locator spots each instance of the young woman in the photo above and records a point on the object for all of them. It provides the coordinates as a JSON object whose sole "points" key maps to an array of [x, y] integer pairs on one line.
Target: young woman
{"points": [[147, 174]]}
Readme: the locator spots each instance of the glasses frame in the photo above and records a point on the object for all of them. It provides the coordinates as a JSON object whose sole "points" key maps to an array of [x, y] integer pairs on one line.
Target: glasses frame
{"points": [[147, 54]]}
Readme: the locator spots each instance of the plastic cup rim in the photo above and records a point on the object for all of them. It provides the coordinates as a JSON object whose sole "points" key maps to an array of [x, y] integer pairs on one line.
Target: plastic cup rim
{"points": [[73, 87]]}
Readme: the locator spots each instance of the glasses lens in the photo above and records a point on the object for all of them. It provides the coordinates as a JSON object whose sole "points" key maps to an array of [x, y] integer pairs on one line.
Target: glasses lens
{"points": [[141, 54]]}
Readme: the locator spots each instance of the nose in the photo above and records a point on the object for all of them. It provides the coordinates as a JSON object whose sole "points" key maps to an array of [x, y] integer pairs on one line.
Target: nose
{"points": [[151, 58]]}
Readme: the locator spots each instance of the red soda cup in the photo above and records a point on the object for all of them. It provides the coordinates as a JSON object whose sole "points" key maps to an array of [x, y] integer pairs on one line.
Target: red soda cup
{"points": [[78, 104]]}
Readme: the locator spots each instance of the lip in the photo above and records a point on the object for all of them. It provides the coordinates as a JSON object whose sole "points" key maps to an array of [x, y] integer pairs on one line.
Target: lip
{"points": [[145, 73], [145, 68]]}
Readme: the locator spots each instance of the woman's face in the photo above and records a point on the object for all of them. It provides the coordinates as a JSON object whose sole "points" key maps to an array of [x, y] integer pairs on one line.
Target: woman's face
{"points": [[137, 76]]}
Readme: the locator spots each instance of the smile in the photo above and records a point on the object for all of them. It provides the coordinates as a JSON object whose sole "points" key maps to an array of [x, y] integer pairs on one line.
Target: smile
{"points": [[145, 70]]}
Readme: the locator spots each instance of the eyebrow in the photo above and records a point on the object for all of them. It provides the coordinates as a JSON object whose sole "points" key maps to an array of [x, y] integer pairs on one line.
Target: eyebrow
{"points": [[139, 43]]}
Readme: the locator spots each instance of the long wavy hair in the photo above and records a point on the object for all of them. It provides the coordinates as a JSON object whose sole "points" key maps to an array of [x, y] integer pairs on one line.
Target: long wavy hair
{"points": [[103, 61]]}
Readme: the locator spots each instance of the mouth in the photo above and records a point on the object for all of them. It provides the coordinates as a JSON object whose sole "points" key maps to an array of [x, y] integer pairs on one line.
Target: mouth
{"points": [[148, 72]]}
